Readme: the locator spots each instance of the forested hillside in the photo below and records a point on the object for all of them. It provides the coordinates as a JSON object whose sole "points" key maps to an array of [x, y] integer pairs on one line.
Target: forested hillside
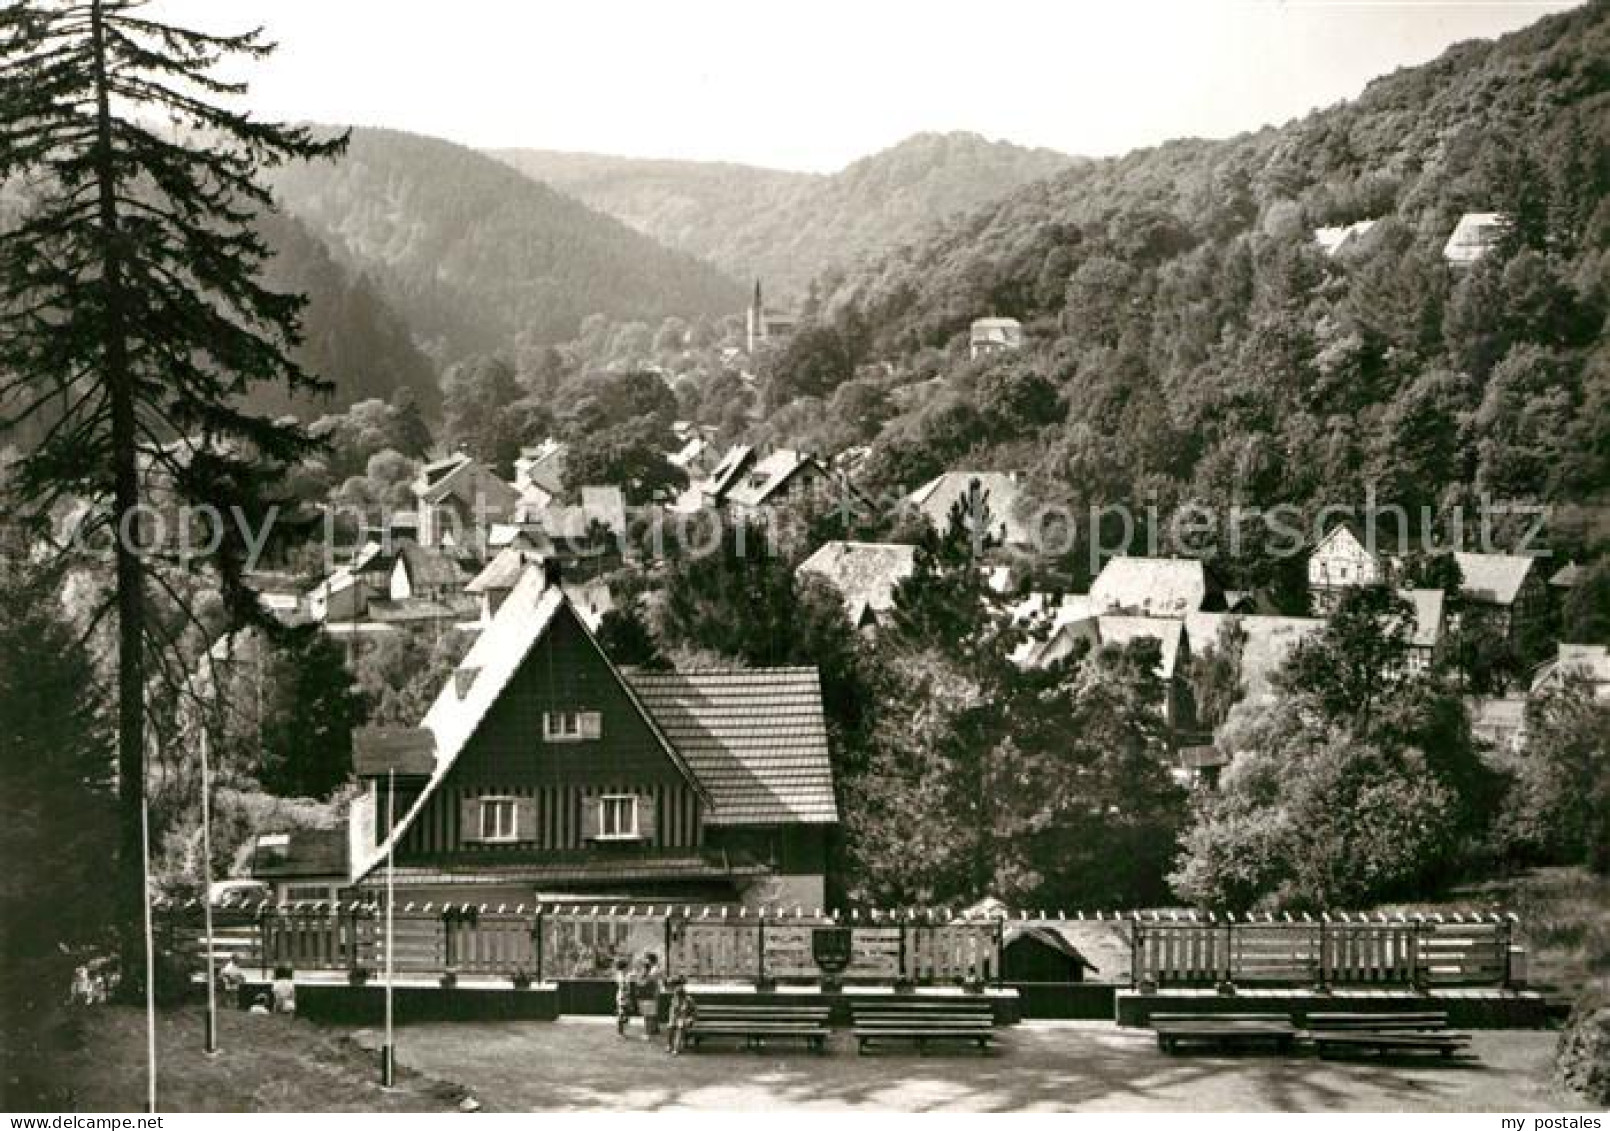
{"points": [[351, 336], [1188, 338], [788, 228], [473, 253]]}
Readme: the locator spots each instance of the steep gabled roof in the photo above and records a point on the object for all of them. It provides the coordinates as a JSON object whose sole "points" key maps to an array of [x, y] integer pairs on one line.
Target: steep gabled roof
{"points": [[1494, 579], [1474, 236], [756, 740], [768, 476], [481, 678]]}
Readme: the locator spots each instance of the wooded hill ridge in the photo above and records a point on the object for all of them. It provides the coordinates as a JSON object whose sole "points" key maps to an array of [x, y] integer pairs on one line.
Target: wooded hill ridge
{"points": [[1188, 337], [475, 255], [788, 228]]}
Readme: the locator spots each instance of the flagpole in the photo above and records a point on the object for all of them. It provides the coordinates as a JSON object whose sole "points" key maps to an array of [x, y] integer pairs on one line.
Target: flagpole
{"points": [[150, 955], [388, 1055], [206, 895]]}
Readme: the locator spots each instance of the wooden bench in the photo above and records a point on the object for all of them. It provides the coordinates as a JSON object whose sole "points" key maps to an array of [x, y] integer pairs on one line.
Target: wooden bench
{"points": [[756, 1024], [1223, 1030], [918, 1021], [1337, 1034]]}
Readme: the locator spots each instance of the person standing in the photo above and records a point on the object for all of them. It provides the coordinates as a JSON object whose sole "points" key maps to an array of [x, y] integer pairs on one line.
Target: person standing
{"points": [[625, 995], [648, 995]]}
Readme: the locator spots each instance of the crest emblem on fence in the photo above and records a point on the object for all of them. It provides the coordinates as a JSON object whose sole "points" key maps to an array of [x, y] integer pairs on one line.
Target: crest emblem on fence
{"points": [[831, 948]]}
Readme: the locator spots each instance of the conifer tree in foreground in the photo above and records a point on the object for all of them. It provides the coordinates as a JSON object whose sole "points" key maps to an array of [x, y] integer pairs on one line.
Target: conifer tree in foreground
{"points": [[132, 320]]}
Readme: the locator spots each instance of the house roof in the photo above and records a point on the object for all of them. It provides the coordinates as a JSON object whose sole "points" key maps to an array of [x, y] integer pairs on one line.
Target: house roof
{"points": [[1002, 495], [1332, 240], [1494, 579], [1583, 661], [503, 571], [1153, 586], [437, 480], [768, 475], [756, 740], [542, 467], [300, 853], [864, 573], [1269, 643], [685, 456], [429, 567], [724, 474], [1168, 632], [1568, 576], [1473, 236], [1428, 615]]}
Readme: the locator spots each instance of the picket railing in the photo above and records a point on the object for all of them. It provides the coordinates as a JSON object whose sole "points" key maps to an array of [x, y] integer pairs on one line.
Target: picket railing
{"points": [[1417, 952], [725, 944]]}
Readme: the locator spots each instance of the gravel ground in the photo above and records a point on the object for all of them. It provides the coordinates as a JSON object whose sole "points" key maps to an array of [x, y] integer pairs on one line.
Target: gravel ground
{"points": [[580, 1064]]}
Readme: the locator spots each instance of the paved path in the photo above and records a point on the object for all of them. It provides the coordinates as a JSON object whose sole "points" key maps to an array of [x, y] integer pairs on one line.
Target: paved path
{"points": [[580, 1064]]}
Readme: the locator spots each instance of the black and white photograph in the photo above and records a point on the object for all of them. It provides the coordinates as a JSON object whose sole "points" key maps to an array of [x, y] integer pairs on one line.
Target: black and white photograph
{"points": [[866, 558]]}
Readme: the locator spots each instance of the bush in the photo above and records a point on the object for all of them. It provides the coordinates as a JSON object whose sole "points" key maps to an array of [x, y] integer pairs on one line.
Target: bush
{"points": [[1582, 1060]]}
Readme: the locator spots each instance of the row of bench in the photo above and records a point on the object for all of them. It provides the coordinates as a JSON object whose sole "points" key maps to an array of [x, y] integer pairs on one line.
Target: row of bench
{"points": [[872, 1023], [1331, 1034]]}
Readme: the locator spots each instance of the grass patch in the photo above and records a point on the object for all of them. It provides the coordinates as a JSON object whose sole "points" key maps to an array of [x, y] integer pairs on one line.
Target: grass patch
{"points": [[94, 1060]]}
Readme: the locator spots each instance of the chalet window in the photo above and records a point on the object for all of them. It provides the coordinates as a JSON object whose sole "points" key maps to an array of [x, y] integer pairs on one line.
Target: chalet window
{"points": [[497, 819], [571, 726], [617, 817]]}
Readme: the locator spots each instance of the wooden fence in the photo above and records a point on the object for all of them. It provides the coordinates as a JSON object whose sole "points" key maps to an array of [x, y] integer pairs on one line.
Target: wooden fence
{"points": [[1402, 952], [722, 944]]}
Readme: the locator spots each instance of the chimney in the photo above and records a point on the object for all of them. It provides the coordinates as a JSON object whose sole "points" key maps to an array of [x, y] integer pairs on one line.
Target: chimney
{"points": [[464, 679]]}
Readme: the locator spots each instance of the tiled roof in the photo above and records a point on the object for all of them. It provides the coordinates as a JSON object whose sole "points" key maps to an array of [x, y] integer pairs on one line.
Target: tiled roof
{"points": [[864, 573], [1169, 634], [1495, 579], [1332, 240], [756, 740], [503, 571], [1163, 587], [939, 495], [1268, 645]]}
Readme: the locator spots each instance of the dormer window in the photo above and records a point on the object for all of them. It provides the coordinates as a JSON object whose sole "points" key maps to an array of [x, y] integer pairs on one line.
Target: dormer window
{"points": [[571, 726]]}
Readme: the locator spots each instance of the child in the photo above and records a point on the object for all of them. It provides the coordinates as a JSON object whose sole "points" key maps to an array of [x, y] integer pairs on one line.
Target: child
{"points": [[230, 981], [683, 1014], [284, 991], [625, 995]]}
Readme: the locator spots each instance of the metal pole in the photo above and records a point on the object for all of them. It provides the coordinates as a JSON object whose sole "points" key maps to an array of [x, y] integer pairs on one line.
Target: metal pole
{"points": [[206, 895], [150, 955], [388, 1052]]}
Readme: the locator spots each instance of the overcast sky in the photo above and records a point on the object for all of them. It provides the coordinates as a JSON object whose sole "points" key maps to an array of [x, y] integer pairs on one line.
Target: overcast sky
{"points": [[814, 84]]}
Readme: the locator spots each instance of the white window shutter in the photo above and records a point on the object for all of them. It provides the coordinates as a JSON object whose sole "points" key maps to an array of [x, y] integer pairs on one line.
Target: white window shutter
{"points": [[592, 724]]}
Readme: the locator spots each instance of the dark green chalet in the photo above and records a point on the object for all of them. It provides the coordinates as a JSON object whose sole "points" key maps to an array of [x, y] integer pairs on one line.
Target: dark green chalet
{"points": [[544, 770]]}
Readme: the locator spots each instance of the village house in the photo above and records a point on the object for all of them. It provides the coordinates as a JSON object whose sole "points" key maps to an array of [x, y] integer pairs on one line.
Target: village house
{"points": [[302, 865], [543, 768], [459, 499], [1585, 664], [783, 476], [1267, 642], [1430, 627], [1474, 236], [865, 575], [1505, 589], [1343, 559], [996, 494], [541, 470], [994, 335], [1156, 587], [1094, 631]]}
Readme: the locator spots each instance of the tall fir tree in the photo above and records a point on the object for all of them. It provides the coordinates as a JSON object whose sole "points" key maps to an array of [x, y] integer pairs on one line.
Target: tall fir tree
{"points": [[132, 318]]}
